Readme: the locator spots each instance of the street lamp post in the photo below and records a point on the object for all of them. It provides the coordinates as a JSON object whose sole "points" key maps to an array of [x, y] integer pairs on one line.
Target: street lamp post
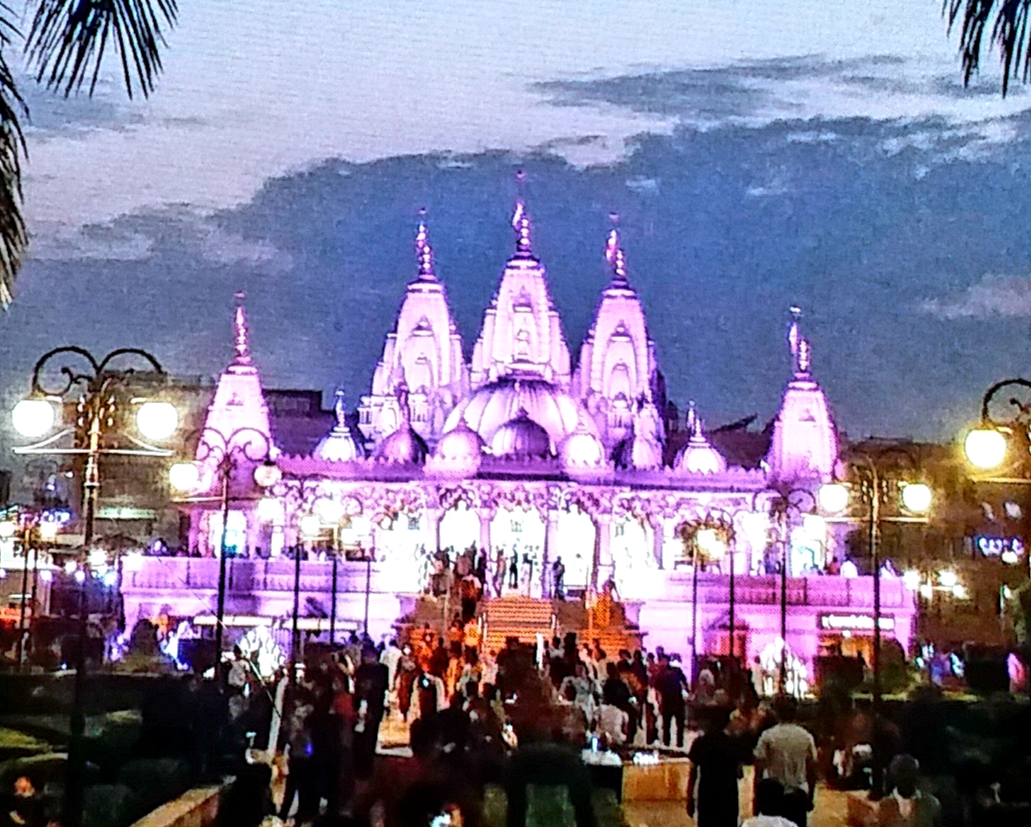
{"points": [[102, 388], [226, 451], [709, 543], [879, 480], [786, 502]]}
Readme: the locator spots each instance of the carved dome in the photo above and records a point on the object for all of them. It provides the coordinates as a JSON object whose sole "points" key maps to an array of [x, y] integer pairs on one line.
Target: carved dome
{"points": [[521, 438], [461, 445], [403, 446], [698, 456], [581, 449], [501, 401]]}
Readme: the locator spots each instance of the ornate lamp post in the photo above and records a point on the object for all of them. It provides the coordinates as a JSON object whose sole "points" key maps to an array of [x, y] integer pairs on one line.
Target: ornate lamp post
{"points": [[226, 452], [787, 503], [102, 387], [709, 540], [878, 482]]}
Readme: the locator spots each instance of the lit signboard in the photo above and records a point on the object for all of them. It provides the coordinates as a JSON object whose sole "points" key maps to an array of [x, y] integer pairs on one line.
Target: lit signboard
{"points": [[854, 623], [997, 546]]}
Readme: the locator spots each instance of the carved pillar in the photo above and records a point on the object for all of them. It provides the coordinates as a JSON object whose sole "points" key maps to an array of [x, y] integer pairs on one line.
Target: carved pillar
{"points": [[601, 568], [550, 551]]}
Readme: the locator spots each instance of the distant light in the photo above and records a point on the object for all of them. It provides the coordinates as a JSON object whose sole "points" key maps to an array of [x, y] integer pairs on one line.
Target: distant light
{"points": [[815, 527], [985, 448], [706, 538], [70, 567], [110, 578], [833, 497], [80, 576], [948, 578], [33, 417], [330, 511], [98, 557], [133, 561], [267, 474], [268, 509], [46, 575], [911, 579], [184, 476], [1010, 557], [157, 420], [7, 529], [1007, 593], [48, 530], [310, 525], [926, 591], [959, 591], [917, 497], [3, 573]]}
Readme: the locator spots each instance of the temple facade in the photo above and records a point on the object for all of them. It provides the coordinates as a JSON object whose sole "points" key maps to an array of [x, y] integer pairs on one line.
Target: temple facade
{"points": [[527, 458]]}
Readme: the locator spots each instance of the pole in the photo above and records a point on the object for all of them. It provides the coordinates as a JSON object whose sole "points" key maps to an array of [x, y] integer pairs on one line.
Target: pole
{"points": [[34, 602], [333, 602], [24, 589], [295, 636], [73, 798], [783, 675], [225, 469], [368, 586], [732, 647], [874, 527], [694, 611]]}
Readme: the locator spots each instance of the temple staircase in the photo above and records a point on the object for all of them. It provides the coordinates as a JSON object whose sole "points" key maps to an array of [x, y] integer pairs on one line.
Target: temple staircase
{"points": [[519, 617]]}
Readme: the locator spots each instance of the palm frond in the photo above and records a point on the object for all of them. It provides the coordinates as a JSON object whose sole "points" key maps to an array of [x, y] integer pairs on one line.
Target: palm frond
{"points": [[69, 39], [13, 235], [1009, 34]]}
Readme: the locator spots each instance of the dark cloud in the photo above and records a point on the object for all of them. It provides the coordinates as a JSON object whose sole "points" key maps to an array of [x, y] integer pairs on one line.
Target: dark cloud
{"points": [[866, 224]]}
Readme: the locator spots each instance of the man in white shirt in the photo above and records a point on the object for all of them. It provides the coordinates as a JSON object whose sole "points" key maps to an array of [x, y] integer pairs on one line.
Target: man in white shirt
{"points": [[787, 753]]}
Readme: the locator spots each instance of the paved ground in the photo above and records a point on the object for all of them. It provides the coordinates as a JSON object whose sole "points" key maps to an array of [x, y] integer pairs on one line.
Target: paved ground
{"points": [[831, 809]]}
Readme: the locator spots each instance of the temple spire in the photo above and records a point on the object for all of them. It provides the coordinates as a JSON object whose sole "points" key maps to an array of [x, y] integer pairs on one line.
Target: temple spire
{"points": [[616, 258], [340, 410], [401, 392], [423, 250], [523, 229], [694, 423], [242, 336], [801, 350]]}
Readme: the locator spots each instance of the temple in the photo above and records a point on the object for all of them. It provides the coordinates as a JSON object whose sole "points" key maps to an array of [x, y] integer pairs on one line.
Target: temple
{"points": [[527, 459]]}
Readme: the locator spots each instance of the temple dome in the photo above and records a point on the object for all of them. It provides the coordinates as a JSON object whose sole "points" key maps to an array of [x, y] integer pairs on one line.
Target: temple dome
{"points": [[460, 446], [638, 451], [339, 445], [501, 401], [581, 449], [698, 456], [521, 438], [403, 446]]}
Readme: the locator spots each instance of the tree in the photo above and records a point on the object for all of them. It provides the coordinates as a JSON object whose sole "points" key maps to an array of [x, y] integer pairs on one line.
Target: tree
{"points": [[1010, 35], [66, 44]]}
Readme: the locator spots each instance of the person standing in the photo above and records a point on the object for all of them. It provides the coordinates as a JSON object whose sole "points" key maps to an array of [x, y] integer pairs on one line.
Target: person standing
{"points": [[670, 684], [302, 778], [370, 689], [786, 752], [513, 571], [558, 577], [716, 759]]}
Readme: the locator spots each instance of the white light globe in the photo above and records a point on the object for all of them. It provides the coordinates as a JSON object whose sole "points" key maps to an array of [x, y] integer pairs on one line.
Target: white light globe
{"points": [[833, 497], [33, 417], [917, 497], [267, 474], [959, 591], [1010, 557], [911, 579], [985, 448], [926, 591], [330, 511], [310, 525], [48, 530], [184, 476], [706, 538], [948, 578], [157, 420]]}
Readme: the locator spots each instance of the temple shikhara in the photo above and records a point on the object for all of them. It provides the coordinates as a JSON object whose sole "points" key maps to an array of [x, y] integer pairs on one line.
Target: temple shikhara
{"points": [[527, 452]]}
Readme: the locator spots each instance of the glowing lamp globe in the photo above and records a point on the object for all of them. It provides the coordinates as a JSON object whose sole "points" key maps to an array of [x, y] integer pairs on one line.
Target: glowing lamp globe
{"points": [[948, 578], [959, 591], [917, 497], [310, 525], [157, 420], [833, 497], [33, 417], [330, 511], [268, 509], [184, 476], [267, 474], [911, 579], [48, 530], [985, 448], [706, 539], [7, 529], [1010, 557]]}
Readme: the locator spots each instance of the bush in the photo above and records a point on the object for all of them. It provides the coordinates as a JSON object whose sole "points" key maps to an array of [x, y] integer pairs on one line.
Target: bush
{"points": [[110, 805]]}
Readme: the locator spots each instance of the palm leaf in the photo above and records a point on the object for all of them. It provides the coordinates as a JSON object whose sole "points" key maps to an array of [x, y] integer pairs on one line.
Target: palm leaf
{"points": [[13, 236], [69, 39], [1009, 34]]}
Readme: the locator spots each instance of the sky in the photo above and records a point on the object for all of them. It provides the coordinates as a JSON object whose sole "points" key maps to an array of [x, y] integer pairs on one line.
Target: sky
{"points": [[759, 154]]}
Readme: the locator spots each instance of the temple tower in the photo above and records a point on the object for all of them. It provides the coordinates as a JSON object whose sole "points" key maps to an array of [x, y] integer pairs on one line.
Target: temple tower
{"points": [[423, 352], [617, 369], [521, 332], [804, 443]]}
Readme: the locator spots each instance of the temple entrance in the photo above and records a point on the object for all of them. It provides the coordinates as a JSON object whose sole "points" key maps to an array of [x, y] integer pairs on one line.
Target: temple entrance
{"points": [[401, 542], [517, 540], [575, 545], [459, 528], [633, 558]]}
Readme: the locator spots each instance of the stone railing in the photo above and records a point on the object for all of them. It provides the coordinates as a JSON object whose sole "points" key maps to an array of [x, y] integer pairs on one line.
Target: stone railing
{"points": [[194, 808], [831, 591]]}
